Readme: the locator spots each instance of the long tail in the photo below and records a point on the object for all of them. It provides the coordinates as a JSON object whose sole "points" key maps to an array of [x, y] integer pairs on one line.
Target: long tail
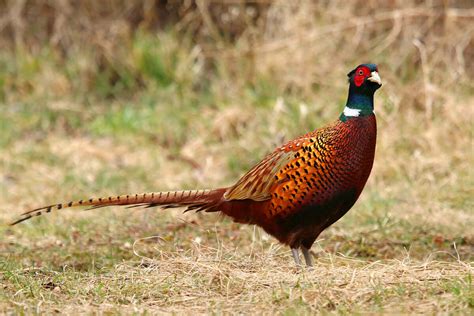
{"points": [[197, 200]]}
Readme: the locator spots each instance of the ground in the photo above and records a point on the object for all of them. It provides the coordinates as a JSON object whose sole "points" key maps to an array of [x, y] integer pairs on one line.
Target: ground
{"points": [[162, 116]]}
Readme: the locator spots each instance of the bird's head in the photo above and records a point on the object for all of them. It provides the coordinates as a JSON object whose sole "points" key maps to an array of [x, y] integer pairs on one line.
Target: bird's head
{"points": [[365, 79]]}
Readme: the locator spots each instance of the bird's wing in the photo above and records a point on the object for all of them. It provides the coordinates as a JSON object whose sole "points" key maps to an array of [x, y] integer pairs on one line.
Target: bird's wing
{"points": [[257, 183]]}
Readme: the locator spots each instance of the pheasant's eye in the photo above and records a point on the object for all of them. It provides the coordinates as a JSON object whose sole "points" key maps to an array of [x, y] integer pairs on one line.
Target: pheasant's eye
{"points": [[361, 72]]}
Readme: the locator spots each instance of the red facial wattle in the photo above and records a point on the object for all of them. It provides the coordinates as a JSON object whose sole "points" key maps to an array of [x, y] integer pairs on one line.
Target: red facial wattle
{"points": [[360, 75]]}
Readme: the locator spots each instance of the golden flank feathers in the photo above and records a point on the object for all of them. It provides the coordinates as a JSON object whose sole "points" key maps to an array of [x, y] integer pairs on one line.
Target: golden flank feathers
{"points": [[257, 183]]}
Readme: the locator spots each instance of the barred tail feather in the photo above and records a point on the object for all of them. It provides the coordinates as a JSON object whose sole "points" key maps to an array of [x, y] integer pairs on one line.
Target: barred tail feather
{"points": [[193, 200]]}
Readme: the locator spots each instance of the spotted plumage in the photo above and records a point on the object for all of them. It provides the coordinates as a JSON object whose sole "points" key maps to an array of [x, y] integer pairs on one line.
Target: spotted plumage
{"points": [[298, 190]]}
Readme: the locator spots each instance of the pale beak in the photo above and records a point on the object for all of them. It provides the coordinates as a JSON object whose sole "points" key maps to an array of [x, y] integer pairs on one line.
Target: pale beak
{"points": [[374, 77]]}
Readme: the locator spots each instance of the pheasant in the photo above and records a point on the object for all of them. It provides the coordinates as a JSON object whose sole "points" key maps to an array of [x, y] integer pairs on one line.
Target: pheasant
{"points": [[295, 192]]}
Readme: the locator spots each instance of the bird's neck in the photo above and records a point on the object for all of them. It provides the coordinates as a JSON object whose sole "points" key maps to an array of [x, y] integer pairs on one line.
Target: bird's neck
{"points": [[357, 105]]}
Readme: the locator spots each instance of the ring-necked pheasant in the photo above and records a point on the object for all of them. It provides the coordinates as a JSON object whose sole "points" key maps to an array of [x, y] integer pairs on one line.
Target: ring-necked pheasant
{"points": [[295, 192]]}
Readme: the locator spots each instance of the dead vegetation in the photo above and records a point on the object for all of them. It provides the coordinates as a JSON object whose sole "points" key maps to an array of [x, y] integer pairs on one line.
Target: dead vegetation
{"points": [[221, 280], [115, 97]]}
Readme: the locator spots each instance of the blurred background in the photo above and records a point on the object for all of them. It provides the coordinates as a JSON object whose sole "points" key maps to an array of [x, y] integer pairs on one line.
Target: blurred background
{"points": [[107, 97], [117, 97]]}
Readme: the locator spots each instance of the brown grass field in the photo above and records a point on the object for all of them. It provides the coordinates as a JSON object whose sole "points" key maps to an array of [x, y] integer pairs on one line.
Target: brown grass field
{"points": [[113, 97]]}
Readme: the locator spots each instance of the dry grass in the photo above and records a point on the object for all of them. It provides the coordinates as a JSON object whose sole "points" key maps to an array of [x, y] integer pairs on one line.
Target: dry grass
{"points": [[136, 107], [222, 280]]}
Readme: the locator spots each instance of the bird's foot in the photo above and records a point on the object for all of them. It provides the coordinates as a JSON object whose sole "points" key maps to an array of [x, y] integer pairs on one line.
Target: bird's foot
{"points": [[307, 257]]}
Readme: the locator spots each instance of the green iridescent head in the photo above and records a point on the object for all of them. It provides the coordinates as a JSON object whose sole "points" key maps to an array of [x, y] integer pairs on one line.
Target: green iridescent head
{"points": [[364, 80]]}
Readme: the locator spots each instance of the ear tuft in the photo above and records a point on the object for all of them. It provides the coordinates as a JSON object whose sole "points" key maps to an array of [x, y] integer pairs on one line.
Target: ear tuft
{"points": [[349, 75]]}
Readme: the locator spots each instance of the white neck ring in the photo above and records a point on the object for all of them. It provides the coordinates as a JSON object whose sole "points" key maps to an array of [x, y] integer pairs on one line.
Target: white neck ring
{"points": [[351, 112]]}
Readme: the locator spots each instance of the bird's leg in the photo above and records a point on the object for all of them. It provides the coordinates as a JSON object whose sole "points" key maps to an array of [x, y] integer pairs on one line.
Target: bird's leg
{"points": [[307, 256], [294, 252]]}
